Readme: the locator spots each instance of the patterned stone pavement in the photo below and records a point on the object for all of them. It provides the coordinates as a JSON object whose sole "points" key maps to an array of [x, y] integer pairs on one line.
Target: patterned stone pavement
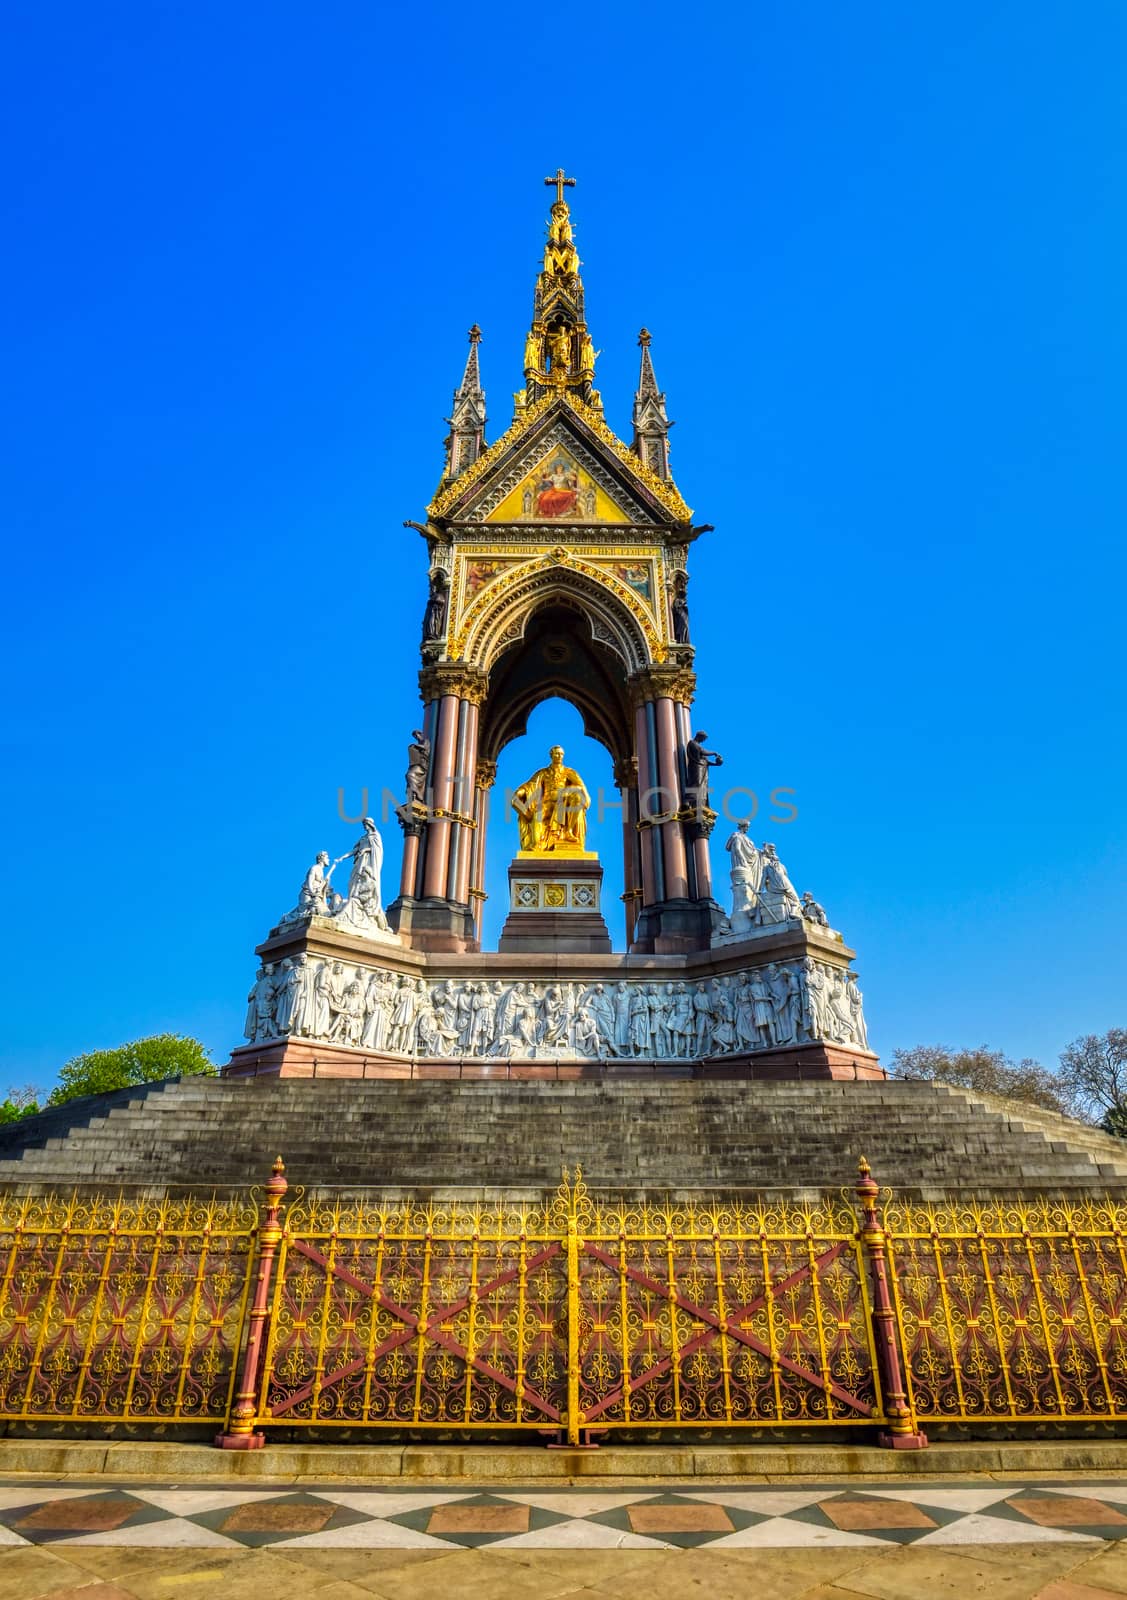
{"points": [[1053, 1540]]}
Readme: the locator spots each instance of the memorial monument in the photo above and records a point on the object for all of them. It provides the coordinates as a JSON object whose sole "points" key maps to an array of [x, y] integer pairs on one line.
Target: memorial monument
{"points": [[557, 565]]}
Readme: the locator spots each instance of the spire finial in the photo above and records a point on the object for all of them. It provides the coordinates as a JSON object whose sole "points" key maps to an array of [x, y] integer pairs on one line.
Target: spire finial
{"points": [[466, 439], [558, 353], [651, 425], [561, 184]]}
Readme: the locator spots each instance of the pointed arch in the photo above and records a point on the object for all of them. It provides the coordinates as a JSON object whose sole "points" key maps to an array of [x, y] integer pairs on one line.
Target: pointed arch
{"points": [[614, 616], [557, 654]]}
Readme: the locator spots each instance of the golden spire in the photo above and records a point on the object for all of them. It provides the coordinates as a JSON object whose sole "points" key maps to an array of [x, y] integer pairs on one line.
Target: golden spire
{"points": [[558, 353]]}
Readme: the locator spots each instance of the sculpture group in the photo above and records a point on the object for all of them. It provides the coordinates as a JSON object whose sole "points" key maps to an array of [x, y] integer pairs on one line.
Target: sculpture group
{"points": [[762, 893], [781, 1003], [361, 909]]}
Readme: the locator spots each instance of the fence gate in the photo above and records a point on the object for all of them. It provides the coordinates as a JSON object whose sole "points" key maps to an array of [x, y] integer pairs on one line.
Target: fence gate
{"points": [[421, 1315], [571, 1316]]}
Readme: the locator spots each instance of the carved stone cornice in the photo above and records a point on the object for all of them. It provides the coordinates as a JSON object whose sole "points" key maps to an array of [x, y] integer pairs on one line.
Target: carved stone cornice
{"points": [[662, 681], [456, 678]]}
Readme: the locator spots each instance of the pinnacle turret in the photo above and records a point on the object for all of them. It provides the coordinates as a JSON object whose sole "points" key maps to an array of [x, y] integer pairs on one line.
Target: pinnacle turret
{"points": [[558, 353], [651, 425], [466, 439]]}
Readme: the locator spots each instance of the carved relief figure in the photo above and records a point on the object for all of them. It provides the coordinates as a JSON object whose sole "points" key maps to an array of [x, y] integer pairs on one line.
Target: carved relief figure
{"points": [[601, 1007], [681, 1021], [702, 1020], [857, 1012], [260, 1006], [639, 1022], [757, 1009], [289, 982], [784, 986]]}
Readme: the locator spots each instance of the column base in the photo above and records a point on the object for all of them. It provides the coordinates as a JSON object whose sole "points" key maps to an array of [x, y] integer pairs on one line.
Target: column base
{"points": [[672, 927], [440, 925], [902, 1441], [240, 1441]]}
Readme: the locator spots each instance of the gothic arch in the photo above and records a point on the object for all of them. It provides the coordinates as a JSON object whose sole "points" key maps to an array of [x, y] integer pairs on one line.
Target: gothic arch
{"points": [[557, 652], [615, 616]]}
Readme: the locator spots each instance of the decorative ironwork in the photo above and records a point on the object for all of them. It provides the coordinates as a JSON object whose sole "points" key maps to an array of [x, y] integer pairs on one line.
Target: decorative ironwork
{"points": [[418, 1314], [1012, 1309], [573, 1314], [579, 1314], [116, 1310]]}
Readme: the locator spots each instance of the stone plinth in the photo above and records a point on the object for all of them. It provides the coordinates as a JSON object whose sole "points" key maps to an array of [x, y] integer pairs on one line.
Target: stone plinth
{"points": [[555, 905]]}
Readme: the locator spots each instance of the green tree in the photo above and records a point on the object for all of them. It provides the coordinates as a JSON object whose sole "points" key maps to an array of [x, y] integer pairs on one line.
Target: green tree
{"points": [[164, 1055], [987, 1072], [1095, 1069], [19, 1103]]}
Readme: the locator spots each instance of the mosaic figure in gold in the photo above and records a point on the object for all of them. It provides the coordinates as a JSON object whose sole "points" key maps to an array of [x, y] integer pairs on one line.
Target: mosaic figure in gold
{"points": [[551, 809]]}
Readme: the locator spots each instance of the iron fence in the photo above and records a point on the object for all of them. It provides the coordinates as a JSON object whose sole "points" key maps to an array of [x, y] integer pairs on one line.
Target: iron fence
{"points": [[569, 1316]]}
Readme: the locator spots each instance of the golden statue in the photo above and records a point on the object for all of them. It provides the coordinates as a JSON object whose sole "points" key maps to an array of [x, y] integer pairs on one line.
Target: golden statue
{"points": [[532, 355], [551, 809], [559, 348]]}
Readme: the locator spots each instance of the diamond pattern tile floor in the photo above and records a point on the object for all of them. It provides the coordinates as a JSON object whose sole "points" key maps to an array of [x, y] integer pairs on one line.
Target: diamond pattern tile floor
{"points": [[692, 1517]]}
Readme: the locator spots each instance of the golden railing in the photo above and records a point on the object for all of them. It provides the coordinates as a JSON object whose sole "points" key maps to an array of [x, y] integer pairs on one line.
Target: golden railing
{"points": [[569, 1316], [116, 1310], [1012, 1309], [573, 1315]]}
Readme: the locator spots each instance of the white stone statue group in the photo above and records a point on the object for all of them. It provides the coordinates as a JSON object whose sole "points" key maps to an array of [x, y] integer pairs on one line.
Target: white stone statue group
{"points": [[762, 893], [361, 909], [782, 1003]]}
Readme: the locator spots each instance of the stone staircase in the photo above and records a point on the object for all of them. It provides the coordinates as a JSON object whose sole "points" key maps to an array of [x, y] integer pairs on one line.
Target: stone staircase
{"points": [[629, 1134]]}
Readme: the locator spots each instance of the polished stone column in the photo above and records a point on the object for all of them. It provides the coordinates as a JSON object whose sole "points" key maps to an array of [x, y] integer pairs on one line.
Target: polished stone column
{"points": [[433, 911], [485, 776], [675, 908]]}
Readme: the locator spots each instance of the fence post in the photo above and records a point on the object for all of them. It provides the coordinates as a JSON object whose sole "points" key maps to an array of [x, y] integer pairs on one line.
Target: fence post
{"points": [[903, 1434], [573, 1417], [242, 1435]]}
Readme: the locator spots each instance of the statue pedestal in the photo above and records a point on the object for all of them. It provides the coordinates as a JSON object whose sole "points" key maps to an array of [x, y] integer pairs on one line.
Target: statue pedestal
{"points": [[555, 904]]}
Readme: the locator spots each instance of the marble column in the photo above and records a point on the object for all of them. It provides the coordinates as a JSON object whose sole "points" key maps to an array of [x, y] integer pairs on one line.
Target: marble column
{"points": [[675, 911], [433, 909], [484, 777], [672, 832], [437, 863], [626, 780]]}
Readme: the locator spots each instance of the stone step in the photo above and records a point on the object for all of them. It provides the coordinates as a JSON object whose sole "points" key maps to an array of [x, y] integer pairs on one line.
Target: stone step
{"points": [[666, 1134]]}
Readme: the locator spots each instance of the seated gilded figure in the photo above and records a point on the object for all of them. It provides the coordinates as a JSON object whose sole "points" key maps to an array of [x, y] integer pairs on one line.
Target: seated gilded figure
{"points": [[551, 809]]}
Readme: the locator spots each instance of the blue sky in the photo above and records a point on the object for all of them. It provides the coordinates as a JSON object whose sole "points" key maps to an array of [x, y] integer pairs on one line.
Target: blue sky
{"points": [[881, 250]]}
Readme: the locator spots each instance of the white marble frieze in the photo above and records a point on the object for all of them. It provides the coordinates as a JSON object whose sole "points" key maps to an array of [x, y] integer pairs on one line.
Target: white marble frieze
{"points": [[762, 1008]]}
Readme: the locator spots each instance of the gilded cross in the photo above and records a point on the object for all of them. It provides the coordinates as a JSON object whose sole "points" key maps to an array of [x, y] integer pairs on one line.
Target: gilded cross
{"points": [[561, 183]]}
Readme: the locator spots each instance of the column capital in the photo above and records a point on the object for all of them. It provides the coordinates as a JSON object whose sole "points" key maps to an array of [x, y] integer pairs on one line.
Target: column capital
{"points": [[626, 772], [662, 682], [456, 678], [485, 773]]}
